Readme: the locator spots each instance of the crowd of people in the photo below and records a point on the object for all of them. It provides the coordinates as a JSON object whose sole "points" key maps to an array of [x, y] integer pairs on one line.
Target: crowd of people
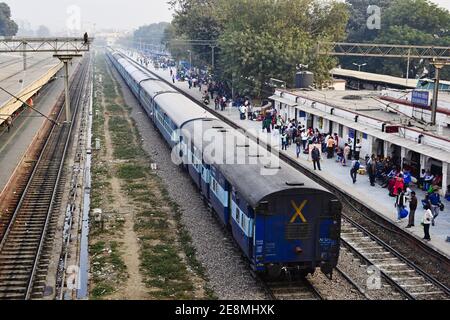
{"points": [[386, 171]]}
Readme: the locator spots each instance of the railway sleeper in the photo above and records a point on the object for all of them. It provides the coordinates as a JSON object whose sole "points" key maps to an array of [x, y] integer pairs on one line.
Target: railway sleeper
{"points": [[25, 228], [18, 233], [22, 240], [17, 255], [17, 261], [23, 276], [33, 221], [14, 283], [28, 250]]}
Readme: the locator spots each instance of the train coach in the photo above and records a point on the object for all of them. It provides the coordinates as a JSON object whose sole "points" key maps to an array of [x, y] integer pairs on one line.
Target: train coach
{"points": [[281, 220]]}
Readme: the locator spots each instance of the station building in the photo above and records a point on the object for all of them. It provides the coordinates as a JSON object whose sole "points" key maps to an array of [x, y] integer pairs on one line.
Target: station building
{"points": [[387, 122]]}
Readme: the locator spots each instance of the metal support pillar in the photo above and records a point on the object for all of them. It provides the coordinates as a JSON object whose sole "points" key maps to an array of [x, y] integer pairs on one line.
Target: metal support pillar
{"points": [[66, 85], [24, 45], [436, 94], [438, 65], [66, 58]]}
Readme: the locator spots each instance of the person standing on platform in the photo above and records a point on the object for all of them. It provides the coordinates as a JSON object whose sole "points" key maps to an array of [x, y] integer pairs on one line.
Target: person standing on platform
{"points": [[298, 143], [284, 140], [304, 139], [243, 111], [372, 170], [315, 155], [427, 218], [354, 171], [412, 209], [336, 140], [435, 204], [330, 147], [400, 203], [347, 152], [358, 148]]}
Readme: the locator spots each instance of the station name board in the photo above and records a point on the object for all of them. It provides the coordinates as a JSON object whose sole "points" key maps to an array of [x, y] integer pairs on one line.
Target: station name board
{"points": [[421, 98]]}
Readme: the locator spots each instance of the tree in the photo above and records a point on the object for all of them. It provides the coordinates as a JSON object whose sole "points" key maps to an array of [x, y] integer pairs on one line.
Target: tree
{"points": [[413, 22], [151, 34], [357, 25], [265, 39], [8, 27], [197, 20], [43, 32]]}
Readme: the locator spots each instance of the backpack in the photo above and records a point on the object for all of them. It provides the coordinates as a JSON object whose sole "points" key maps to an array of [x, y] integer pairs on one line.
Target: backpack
{"points": [[357, 166]]}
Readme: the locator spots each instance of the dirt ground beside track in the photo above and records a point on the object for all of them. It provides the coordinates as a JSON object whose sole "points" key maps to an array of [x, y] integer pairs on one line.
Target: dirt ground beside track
{"points": [[136, 252]]}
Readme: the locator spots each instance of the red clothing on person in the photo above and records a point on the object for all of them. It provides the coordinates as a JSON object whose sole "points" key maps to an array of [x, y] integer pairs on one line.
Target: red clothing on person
{"points": [[399, 184]]}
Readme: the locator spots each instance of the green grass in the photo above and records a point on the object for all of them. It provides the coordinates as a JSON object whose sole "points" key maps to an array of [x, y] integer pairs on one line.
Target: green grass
{"points": [[163, 261], [131, 172], [101, 290]]}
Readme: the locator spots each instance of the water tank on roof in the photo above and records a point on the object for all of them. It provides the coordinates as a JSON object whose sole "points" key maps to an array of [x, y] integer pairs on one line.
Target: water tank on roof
{"points": [[304, 79]]}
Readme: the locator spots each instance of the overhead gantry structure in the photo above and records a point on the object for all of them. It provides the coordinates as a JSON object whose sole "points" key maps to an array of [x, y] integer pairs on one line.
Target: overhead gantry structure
{"points": [[439, 57], [64, 49]]}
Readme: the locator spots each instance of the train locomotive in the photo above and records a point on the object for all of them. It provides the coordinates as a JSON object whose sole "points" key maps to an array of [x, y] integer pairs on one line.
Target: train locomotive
{"points": [[280, 219]]}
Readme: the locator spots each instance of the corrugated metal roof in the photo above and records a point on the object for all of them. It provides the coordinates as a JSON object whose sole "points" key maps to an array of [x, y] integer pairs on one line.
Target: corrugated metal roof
{"points": [[374, 77], [283, 101], [438, 154]]}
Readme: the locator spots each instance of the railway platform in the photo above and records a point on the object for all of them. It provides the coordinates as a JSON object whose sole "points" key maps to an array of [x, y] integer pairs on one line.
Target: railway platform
{"points": [[375, 198], [15, 143], [40, 69]]}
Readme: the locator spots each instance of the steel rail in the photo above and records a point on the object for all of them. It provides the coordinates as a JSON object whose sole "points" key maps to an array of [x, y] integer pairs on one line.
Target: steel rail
{"points": [[397, 254], [51, 139], [79, 92]]}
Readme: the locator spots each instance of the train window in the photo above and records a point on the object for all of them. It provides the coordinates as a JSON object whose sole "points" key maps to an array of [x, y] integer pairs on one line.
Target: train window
{"points": [[214, 186], [243, 222], [238, 215]]}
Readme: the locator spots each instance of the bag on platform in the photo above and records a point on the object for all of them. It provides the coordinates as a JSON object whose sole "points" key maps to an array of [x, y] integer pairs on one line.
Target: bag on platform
{"points": [[404, 213]]}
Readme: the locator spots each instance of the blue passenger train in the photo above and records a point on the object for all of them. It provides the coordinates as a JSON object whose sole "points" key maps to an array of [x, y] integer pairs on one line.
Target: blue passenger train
{"points": [[280, 219]]}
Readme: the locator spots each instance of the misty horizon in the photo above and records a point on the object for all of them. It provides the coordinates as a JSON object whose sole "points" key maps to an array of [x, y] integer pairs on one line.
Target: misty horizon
{"points": [[94, 14]]}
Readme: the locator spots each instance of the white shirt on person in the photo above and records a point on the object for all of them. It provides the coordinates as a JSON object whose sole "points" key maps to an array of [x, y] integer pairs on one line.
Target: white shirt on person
{"points": [[427, 217]]}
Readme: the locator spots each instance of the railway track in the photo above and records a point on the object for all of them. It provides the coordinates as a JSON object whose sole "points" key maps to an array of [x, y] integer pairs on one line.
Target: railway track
{"points": [[413, 282], [410, 280], [292, 290], [28, 235]]}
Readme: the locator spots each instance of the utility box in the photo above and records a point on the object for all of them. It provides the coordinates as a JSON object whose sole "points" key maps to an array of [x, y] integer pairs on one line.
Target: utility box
{"points": [[304, 79]]}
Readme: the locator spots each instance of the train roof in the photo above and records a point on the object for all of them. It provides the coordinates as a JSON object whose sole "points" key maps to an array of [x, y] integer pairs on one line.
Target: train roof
{"points": [[177, 107], [261, 176]]}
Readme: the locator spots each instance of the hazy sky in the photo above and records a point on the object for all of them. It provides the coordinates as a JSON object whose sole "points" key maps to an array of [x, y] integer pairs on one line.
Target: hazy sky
{"points": [[120, 14]]}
